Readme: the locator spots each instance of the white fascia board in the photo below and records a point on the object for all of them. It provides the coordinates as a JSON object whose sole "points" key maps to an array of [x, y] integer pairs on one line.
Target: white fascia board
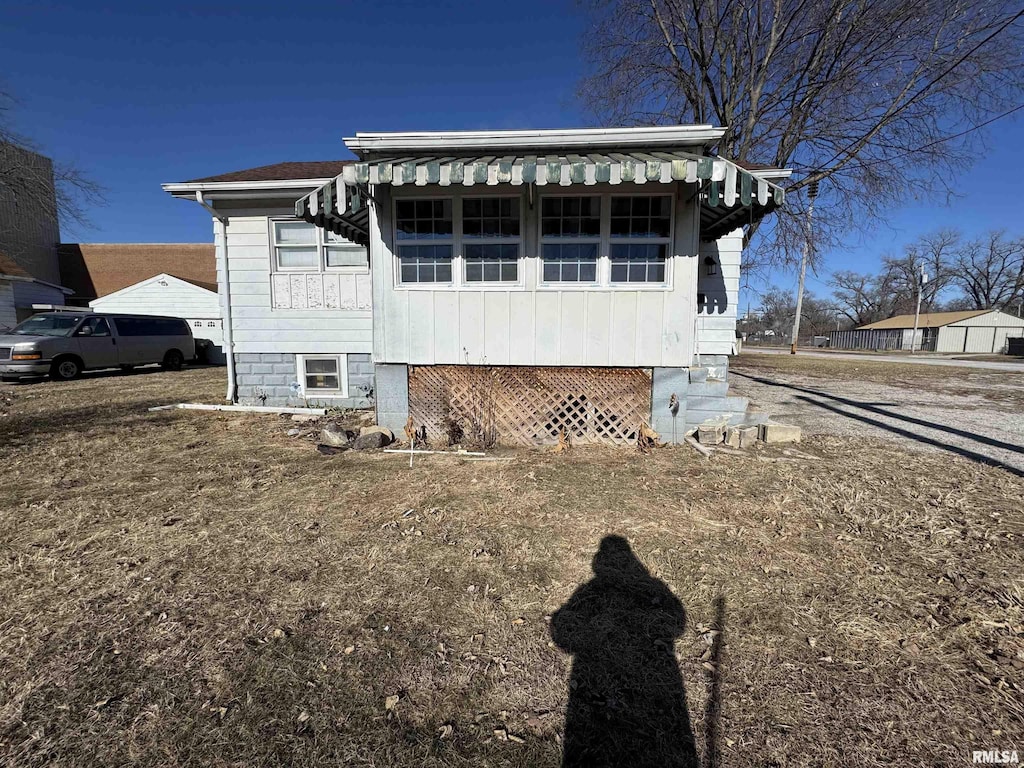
{"points": [[241, 190], [772, 173], [671, 135]]}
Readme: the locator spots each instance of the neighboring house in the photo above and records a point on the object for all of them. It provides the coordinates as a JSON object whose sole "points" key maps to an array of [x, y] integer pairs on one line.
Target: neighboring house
{"points": [[95, 270], [982, 331], [524, 283], [29, 233], [171, 296]]}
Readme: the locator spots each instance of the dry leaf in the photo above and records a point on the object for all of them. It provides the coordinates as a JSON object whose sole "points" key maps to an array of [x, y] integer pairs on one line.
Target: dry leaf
{"points": [[445, 731], [811, 641], [520, 620], [303, 716], [350, 649], [501, 734], [391, 702]]}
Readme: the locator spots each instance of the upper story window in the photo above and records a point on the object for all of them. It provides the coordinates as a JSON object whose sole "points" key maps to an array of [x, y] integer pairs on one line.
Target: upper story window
{"points": [[424, 230], [640, 232], [300, 246], [570, 239], [490, 239]]}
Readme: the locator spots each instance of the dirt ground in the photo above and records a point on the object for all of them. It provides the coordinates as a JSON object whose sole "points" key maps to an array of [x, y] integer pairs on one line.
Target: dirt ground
{"points": [[184, 588], [974, 413]]}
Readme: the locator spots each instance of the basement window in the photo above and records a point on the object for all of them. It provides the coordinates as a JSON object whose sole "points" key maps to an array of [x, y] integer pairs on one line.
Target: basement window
{"points": [[323, 375]]}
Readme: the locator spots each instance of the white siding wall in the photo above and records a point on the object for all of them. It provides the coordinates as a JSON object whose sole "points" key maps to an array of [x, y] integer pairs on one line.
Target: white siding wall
{"points": [[984, 334], [716, 319], [8, 317], [528, 324], [259, 326], [175, 298], [951, 339]]}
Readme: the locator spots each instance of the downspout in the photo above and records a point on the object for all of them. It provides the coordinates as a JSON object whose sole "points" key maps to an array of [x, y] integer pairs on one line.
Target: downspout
{"points": [[229, 346]]}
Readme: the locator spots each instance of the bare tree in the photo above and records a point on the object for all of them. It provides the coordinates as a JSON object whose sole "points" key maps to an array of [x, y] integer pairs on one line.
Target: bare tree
{"points": [[935, 252], [61, 192], [878, 98], [866, 298], [990, 271]]}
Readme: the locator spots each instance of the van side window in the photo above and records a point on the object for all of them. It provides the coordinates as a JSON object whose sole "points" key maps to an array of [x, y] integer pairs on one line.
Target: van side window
{"points": [[151, 326], [97, 324]]}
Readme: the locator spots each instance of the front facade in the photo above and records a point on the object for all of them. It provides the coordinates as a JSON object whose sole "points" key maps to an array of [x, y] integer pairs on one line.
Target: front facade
{"points": [[540, 282]]}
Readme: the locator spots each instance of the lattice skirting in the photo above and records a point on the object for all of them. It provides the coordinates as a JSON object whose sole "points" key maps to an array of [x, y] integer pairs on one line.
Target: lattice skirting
{"points": [[530, 406]]}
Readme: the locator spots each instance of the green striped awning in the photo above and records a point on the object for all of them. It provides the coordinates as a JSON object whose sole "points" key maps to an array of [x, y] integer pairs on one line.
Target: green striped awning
{"points": [[731, 196]]}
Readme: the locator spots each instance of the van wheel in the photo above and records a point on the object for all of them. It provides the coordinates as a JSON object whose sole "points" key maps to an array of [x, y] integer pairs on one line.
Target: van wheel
{"points": [[173, 361], [65, 369]]}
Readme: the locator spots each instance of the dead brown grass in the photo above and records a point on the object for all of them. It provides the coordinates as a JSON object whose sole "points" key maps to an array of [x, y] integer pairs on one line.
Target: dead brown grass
{"points": [[198, 588]]}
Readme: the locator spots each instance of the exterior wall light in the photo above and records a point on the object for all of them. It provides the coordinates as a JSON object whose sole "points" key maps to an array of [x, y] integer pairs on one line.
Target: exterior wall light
{"points": [[710, 266]]}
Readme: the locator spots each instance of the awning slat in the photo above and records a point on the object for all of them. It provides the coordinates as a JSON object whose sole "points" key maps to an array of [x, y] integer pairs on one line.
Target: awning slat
{"points": [[730, 196]]}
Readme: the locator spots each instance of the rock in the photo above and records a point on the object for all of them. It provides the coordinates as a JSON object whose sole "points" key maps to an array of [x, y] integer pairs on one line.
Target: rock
{"points": [[711, 433], [302, 418], [336, 435], [376, 428], [780, 433], [748, 436], [329, 450], [370, 440], [294, 432]]}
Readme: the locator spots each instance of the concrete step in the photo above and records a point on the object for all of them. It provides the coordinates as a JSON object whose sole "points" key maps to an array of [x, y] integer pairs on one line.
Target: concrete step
{"points": [[709, 388], [731, 404]]}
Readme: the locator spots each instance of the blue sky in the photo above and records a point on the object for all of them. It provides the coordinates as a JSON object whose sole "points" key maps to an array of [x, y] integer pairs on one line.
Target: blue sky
{"points": [[137, 94]]}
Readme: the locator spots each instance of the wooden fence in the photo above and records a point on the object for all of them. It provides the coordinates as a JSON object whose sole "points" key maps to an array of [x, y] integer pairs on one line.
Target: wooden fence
{"points": [[530, 406]]}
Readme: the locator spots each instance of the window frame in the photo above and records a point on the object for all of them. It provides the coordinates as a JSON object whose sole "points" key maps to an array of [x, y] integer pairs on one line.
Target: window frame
{"points": [[628, 240], [320, 242], [598, 280], [458, 243], [604, 261], [341, 360]]}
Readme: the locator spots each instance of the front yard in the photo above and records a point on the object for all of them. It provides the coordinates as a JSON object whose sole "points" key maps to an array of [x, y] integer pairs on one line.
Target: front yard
{"points": [[200, 588]]}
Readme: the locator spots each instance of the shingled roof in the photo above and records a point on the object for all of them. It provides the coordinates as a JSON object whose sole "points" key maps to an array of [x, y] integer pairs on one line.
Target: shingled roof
{"points": [[99, 269], [321, 169]]}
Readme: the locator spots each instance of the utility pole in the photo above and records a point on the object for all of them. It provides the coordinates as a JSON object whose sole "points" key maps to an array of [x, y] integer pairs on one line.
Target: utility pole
{"points": [[812, 193], [921, 280]]}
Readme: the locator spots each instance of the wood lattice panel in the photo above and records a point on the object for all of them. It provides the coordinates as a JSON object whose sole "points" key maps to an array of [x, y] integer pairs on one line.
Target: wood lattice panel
{"points": [[529, 406]]}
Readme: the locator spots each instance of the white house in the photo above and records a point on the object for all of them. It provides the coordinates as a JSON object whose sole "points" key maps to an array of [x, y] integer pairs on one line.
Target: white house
{"points": [[523, 282], [171, 296]]}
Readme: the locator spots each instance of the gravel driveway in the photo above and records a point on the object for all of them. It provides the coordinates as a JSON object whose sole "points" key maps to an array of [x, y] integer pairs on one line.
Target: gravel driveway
{"points": [[975, 414]]}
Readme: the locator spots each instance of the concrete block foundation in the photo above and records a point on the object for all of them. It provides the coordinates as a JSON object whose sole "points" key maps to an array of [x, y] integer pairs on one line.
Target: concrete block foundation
{"points": [[272, 378]]}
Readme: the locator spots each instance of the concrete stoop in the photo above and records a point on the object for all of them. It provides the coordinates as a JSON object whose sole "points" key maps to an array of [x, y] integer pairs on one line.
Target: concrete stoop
{"points": [[708, 400]]}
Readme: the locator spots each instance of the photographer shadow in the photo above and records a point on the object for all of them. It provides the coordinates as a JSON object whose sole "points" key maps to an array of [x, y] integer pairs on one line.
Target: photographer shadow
{"points": [[627, 702]]}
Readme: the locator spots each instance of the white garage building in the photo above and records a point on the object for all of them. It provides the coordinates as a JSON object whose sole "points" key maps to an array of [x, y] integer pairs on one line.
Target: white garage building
{"points": [[979, 331], [168, 295]]}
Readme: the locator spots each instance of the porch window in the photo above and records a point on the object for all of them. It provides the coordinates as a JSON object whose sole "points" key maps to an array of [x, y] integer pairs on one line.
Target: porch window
{"points": [[424, 232], [490, 237], [640, 231], [295, 245], [570, 239], [324, 375]]}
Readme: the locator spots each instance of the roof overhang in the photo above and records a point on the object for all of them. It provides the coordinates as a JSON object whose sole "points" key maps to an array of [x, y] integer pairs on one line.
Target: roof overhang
{"points": [[594, 138], [730, 195], [30, 279], [243, 190]]}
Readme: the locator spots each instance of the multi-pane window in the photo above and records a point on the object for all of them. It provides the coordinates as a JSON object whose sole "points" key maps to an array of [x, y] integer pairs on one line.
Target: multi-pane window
{"points": [[570, 239], [490, 235], [424, 232], [640, 229], [323, 374], [295, 245], [299, 245]]}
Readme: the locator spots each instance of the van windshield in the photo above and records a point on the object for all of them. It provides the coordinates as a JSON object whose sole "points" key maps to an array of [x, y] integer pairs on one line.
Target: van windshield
{"points": [[47, 325]]}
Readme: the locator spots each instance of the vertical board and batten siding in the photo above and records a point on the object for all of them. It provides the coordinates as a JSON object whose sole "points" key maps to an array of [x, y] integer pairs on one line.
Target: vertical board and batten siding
{"points": [[716, 318], [302, 325], [8, 315], [528, 324]]}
